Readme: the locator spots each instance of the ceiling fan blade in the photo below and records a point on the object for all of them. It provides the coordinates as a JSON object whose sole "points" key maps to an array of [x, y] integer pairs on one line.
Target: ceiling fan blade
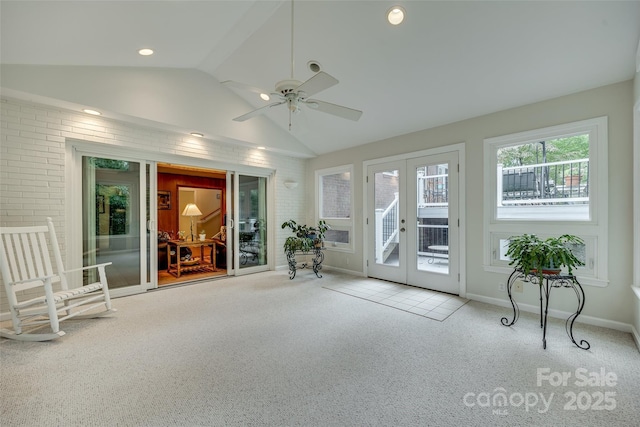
{"points": [[256, 112], [238, 85], [317, 83], [336, 110]]}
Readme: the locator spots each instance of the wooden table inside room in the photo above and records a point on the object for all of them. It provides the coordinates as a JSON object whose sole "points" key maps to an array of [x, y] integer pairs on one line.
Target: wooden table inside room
{"points": [[178, 267]]}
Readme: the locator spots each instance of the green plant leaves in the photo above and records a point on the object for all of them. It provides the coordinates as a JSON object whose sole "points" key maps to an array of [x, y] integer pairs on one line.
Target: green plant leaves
{"points": [[530, 253]]}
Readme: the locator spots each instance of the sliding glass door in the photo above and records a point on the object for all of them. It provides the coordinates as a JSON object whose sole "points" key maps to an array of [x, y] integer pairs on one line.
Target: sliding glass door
{"points": [[115, 210], [114, 219], [248, 208]]}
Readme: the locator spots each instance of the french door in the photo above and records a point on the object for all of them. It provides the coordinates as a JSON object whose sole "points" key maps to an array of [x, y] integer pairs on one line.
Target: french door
{"points": [[412, 221]]}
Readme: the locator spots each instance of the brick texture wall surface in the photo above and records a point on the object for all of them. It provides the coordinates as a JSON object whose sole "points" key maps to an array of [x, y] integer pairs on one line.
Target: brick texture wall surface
{"points": [[33, 139]]}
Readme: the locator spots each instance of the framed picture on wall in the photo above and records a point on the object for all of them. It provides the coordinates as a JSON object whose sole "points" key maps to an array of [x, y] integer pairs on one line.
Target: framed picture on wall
{"points": [[164, 200]]}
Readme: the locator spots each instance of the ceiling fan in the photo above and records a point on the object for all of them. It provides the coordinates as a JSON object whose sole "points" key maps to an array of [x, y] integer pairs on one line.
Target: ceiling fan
{"points": [[294, 93]]}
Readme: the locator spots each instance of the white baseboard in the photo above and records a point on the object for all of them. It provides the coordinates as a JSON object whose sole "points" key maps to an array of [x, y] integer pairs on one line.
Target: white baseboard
{"points": [[343, 270], [328, 268], [589, 320]]}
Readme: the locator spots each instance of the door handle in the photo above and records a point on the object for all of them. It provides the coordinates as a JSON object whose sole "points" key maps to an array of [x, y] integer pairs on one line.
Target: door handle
{"points": [[402, 229]]}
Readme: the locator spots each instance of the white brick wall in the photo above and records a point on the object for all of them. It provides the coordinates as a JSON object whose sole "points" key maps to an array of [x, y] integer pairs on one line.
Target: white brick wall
{"points": [[32, 163]]}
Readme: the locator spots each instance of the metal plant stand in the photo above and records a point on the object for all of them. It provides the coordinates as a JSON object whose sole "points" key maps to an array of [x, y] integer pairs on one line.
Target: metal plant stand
{"points": [[316, 262], [548, 282]]}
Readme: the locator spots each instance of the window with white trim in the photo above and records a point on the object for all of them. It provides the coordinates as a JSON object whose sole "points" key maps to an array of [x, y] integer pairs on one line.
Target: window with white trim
{"points": [[334, 190], [549, 182]]}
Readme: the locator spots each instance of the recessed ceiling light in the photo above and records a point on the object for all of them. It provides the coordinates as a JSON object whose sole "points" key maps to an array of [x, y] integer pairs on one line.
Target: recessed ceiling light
{"points": [[261, 147], [396, 15], [197, 134], [146, 51], [265, 96], [92, 112]]}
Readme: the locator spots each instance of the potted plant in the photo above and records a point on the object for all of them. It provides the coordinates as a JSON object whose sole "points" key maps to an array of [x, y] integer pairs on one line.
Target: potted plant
{"points": [[533, 255], [572, 180], [306, 238]]}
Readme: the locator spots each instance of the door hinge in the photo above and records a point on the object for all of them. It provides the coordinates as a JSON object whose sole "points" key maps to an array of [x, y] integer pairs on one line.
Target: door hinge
{"points": [[458, 277], [458, 167], [367, 179], [458, 222]]}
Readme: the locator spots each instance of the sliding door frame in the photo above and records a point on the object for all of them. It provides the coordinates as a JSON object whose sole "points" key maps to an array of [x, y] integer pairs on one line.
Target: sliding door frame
{"points": [[75, 148], [75, 151]]}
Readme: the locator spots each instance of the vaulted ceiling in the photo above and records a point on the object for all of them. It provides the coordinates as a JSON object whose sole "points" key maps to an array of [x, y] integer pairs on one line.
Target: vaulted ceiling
{"points": [[448, 61]]}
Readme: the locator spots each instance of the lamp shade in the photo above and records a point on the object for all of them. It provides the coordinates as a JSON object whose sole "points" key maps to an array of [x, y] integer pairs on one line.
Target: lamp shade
{"points": [[191, 210]]}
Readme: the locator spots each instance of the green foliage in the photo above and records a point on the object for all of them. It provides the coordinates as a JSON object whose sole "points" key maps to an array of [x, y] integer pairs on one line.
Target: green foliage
{"points": [[306, 238], [569, 148], [110, 164], [529, 253]]}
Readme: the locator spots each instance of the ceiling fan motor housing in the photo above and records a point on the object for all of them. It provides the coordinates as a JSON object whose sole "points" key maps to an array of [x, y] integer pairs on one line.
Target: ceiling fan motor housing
{"points": [[287, 86], [288, 89]]}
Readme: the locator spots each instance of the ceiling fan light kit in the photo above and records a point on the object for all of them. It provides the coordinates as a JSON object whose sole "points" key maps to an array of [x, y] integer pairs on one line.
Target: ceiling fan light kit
{"points": [[295, 93]]}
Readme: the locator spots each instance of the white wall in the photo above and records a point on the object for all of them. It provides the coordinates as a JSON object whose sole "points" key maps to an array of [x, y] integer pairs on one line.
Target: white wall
{"points": [[613, 303], [636, 204], [176, 99], [32, 163]]}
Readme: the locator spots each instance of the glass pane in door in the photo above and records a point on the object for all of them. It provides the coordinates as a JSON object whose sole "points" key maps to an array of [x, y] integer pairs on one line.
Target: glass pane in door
{"points": [[432, 238], [111, 218], [387, 217], [252, 226]]}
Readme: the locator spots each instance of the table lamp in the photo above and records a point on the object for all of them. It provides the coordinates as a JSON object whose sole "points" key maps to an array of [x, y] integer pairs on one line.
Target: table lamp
{"points": [[191, 210]]}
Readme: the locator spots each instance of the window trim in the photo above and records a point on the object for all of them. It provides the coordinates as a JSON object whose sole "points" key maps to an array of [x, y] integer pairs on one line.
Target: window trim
{"points": [[345, 224], [594, 231], [597, 129]]}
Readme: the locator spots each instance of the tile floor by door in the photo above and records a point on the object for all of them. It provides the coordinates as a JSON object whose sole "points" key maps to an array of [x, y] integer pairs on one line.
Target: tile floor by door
{"points": [[423, 302]]}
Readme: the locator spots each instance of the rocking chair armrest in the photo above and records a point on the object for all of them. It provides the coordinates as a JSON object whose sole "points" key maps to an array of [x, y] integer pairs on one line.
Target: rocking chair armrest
{"points": [[87, 267]]}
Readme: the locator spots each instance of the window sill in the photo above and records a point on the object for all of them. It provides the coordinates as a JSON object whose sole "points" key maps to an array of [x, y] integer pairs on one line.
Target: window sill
{"points": [[339, 249]]}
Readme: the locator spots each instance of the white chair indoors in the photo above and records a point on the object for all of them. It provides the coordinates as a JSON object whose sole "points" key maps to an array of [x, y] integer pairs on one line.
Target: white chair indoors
{"points": [[39, 295]]}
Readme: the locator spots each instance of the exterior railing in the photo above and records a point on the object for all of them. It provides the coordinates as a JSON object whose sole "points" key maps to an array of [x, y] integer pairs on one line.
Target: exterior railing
{"points": [[430, 233], [387, 227], [434, 190], [549, 183]]}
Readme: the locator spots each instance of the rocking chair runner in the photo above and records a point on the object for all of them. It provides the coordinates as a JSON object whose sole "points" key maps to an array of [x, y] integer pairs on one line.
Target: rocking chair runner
{"points": [[28, 276]]}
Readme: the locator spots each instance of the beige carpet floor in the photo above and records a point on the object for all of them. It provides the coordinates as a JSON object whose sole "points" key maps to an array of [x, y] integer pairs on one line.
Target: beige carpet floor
{"points": [[263, 350]]}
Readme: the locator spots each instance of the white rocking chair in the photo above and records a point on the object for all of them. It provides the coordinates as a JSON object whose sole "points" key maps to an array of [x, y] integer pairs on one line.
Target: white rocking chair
{"points": [[25, 261]]}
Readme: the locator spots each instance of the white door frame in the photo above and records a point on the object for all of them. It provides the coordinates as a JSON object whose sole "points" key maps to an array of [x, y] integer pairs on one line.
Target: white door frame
{"points": [[233, 231], [73, 234], [460, 149]]}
